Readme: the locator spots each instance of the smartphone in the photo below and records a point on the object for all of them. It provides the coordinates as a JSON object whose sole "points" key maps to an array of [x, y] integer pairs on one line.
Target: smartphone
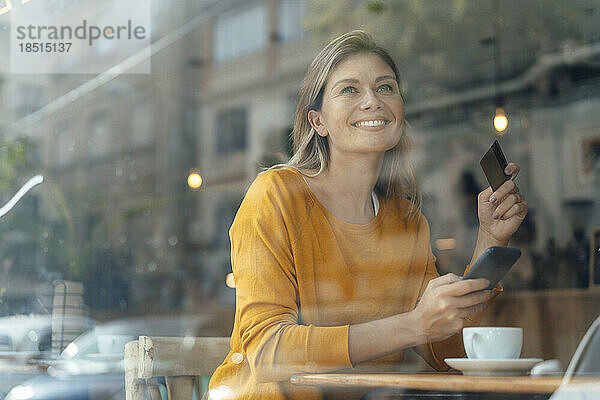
{"points": [[493, 264], [493, 164]]}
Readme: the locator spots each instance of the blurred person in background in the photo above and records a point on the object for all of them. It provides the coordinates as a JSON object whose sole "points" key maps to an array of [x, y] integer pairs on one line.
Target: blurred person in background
{"points": [[331, 256]]}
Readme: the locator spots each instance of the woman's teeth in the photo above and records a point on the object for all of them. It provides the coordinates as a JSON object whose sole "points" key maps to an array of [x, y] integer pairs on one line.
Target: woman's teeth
{"points": [[373, 123]]}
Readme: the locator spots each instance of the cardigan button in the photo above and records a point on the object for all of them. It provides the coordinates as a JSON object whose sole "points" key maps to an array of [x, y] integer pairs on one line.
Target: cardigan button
{"points": [[237, 358]]}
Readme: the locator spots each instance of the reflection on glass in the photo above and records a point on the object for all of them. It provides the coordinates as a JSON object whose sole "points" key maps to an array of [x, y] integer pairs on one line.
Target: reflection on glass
{"points": [[117, 212]]}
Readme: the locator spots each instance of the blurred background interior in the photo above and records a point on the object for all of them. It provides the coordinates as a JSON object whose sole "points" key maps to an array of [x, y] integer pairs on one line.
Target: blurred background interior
{"points": [[118, 214]]}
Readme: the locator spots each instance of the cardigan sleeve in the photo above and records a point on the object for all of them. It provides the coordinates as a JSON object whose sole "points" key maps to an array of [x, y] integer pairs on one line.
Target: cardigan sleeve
{"points": [[275, 344]]}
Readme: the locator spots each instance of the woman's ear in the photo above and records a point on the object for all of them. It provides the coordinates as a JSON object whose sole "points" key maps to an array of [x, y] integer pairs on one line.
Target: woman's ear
{"points": [[316, 121]]}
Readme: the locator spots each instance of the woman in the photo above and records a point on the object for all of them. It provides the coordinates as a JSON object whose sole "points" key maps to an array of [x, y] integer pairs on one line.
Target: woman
{"points": [[330, 252]]}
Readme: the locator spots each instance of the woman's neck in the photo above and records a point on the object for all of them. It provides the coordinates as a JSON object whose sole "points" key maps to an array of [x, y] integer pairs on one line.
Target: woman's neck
{"points": [[345, 190]]}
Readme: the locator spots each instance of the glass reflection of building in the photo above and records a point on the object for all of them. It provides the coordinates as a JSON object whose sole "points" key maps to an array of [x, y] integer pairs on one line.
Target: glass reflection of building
{"points": [[221, 100]]}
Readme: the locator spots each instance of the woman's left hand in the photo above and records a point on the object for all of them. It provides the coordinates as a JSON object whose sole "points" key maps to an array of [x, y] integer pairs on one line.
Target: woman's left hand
{"points": [[501, 212]]}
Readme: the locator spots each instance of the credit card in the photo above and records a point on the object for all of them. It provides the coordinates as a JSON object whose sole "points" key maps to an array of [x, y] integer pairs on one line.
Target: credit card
{"points": [[493, 164]]}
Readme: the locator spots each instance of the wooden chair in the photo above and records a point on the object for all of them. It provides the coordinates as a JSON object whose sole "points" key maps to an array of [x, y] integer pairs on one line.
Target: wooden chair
{"points": [[182, 361]]}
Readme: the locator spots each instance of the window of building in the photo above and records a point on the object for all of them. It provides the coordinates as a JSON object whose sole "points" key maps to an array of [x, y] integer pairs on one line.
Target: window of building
{"points": [[141, 132], [93, 220], [291, 15], [224, 214], [99, 140], [66, 143], [232, 130], [30, 97], [240, 32]]}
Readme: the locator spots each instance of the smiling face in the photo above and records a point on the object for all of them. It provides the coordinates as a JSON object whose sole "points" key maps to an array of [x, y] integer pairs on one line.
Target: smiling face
{"points": [[362, 110]]}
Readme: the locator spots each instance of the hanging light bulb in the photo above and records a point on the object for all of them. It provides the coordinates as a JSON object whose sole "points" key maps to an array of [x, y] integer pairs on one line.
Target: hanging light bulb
{"points": [[194, 180], [500, 121]]}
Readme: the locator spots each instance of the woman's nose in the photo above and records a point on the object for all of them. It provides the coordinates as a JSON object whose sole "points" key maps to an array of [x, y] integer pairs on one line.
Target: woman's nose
{"points": [[370, 101]]}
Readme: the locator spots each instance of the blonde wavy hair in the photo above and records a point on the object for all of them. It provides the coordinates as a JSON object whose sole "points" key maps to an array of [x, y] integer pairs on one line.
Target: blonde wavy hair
{"points": [[311, 151]]}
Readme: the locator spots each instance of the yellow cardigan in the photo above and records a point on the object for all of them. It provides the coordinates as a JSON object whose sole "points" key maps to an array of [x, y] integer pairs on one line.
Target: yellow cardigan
{"points": [[303, 276]]}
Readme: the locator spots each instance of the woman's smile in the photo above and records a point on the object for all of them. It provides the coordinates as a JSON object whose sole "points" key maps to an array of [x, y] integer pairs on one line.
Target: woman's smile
{"points": [[371, 124]]}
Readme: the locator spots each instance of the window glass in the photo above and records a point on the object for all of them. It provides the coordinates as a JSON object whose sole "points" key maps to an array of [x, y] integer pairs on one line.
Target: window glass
{"points": [[29, 97], [99, 140], [232, 130], [141, 124], [240, 32], [291, 16], [118, 189], [66, 143]]}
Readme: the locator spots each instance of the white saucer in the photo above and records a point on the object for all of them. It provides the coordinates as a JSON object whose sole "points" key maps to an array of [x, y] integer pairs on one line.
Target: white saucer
{"points": [[506, 367]]}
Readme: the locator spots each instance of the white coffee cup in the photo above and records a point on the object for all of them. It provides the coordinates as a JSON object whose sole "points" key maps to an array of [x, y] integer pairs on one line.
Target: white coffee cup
{"points": [[493, 342]]}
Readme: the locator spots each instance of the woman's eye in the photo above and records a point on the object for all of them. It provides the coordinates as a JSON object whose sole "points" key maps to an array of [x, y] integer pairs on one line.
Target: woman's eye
{"points": [[349, 89], [385, 88]]}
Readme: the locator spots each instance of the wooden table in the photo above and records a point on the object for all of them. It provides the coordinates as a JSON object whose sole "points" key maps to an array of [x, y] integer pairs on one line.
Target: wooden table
{"points": [[437, 382]]}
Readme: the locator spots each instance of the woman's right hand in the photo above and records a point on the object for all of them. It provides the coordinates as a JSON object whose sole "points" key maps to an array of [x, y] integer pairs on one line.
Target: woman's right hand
{"points": [[445, 304]]}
